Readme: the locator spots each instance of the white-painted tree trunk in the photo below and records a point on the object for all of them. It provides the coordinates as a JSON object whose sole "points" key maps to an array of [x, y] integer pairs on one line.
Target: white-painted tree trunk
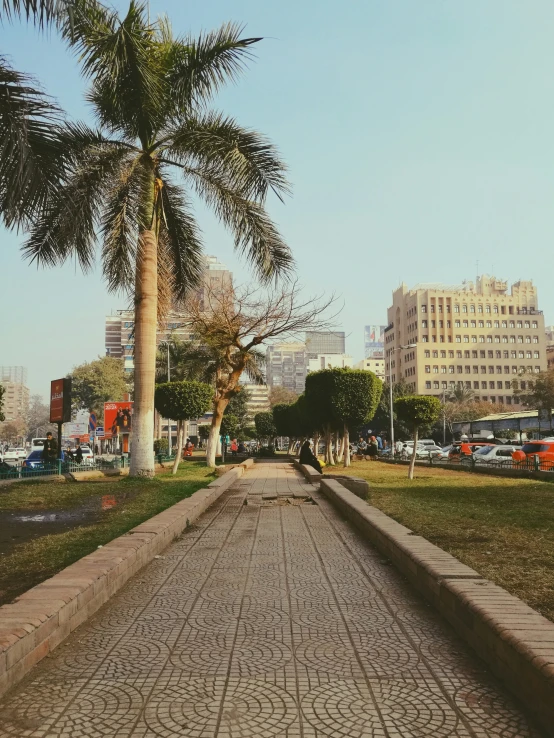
{"points": [[346, 441], [213, 438], [179, 454], [413, 459], [146, 304]]}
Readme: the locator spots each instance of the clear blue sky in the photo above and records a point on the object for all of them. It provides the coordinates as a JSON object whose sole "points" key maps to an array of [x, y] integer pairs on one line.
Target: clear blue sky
{"points": [[419, 136]]}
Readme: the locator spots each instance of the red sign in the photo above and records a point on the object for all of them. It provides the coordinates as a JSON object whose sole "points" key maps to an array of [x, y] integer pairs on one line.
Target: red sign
{"points": [[118, 417], [60, 400]]}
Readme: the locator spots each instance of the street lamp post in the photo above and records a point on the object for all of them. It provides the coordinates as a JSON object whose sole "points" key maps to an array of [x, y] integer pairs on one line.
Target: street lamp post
{"points": [[391, 351]]}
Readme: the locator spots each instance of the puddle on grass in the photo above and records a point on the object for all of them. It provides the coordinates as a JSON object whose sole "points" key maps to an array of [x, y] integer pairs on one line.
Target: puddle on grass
{"points": [[20, 526]]}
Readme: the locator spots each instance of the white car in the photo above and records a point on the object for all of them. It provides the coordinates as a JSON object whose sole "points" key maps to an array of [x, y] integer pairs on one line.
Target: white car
{"points": [[444, 453], [494, 454], [426, 450], [15, 455], [88, 457]]}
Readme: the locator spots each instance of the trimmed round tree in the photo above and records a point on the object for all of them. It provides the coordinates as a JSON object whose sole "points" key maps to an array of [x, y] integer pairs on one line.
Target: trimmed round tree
{"points": [[416, 411], [182, 401], [318, 408], [355, 395], [265, 427]]}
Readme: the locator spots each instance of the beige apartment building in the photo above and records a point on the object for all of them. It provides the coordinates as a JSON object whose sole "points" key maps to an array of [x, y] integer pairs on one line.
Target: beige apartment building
{"points": [[477, 335], [375, 364]]}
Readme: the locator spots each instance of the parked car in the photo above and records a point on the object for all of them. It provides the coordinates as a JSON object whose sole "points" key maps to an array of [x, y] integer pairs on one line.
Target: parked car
{"points": [[15, 455], [495, 455], [424, 451], [35, 463], [8, 471], [444, 452], [543, 450]]}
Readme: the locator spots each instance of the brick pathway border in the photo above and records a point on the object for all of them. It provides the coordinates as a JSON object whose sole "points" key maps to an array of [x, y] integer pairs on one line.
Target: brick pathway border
{"points": [[515, 641], [41, 618]]}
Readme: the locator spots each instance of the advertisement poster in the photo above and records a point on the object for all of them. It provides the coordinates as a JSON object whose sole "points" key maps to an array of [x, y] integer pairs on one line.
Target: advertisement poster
{"points": [[75, 430], [118, 418], [60, 400]]}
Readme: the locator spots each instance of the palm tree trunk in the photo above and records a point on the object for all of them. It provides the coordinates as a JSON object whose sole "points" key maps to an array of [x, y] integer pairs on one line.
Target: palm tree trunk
{"points": [[146, 304], [180, 434], [412, 460], [346, 440]]}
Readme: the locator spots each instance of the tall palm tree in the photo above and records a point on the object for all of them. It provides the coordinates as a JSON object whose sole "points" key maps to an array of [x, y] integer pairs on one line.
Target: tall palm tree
{"points": [[150, 93]]}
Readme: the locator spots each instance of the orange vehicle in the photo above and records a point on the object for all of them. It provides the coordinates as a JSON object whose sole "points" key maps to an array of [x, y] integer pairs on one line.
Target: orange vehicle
{"points": [[542, 451], [463, 450]]}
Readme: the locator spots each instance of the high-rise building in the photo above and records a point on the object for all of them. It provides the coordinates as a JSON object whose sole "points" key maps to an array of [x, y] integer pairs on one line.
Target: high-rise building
{"points": [[324, 342], [478, 336], [16, 374], [373, 364], [286, 366], [258, 398], [549, 332], [329, 361], [120, 327], [16, 393], [374, 340]]}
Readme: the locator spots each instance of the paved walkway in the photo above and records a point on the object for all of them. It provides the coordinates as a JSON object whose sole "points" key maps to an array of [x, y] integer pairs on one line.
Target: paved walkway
{"points": [[271, 617]]}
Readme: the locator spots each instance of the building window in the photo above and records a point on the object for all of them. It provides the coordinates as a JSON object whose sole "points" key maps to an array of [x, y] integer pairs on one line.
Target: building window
{"points": [[487, 308], [427, 369], [535, 339], [491, 385], [489, 339], [512, 324], [536, 355], [466, 354], [459, 369], [504, 339], [491, 370], [497, 324], [464, 308], [489, 323], [474, 339], [481, 324], [466, 339], [483, 385], [436, 385], [424, 308], [504, 324], [495, 309], [451, 370], [424, 324], [535, 324], [451, 354], [427, 385], [468, 370], [443, 369], [458, 339], [476, 370], [457, 324], [537, 370], [520, 324], [527, 339], [435, 354], [520, 339], [506, 370], [476, 385], [508, 400], [528, 355], [456, 308], [425, 339], [435, 369], [432, 309], [527, 324], [472, 308], [465, 324]]}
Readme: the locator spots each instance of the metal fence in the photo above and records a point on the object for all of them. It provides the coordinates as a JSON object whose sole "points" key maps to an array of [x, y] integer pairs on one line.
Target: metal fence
{"points": [[532, 463], [19, 471]]}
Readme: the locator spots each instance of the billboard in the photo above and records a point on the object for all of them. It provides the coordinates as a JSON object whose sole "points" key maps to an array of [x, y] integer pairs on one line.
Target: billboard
{"points": [[118, 418], [60, 400], [374, 340]]}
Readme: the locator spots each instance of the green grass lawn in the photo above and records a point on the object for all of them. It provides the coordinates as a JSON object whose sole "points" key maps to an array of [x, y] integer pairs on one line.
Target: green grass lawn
{"points": [[501, 527], [136, 500]]}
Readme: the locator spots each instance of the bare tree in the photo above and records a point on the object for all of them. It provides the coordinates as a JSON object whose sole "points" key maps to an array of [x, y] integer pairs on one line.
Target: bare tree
{"points": [[230, 327]]}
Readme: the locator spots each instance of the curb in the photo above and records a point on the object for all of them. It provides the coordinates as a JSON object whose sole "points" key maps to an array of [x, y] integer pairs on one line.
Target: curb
{"points": [[41, 618], [311, 474], [514, 640]]}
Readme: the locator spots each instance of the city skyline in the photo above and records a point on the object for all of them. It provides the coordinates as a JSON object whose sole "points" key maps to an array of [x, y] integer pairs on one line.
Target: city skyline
{"points": [[439, 170]]}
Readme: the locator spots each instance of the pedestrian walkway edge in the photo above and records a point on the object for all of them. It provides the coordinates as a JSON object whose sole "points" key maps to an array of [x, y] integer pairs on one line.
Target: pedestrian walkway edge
{"points": [[41, 618], [514, 640]]}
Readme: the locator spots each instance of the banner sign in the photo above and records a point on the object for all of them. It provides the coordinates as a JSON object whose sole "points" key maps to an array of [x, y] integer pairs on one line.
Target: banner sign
{"points": [[74, 430], [99, 432], [118, 418], [60, 400]]}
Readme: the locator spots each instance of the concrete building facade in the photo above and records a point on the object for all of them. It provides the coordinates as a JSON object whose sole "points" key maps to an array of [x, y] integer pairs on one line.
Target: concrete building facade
{"points": [[120, 327], [476, 335], [15, 401], [258, 401], [329, 361], [373, 364], [286, 366], [325, 342]]}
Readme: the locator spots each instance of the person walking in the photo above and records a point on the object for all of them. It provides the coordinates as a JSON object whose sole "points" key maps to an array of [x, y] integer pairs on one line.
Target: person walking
{"points": [[50, 449], [79, 453]]}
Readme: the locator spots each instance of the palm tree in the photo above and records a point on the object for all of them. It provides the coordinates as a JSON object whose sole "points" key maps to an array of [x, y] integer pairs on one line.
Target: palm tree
{"points": [[30, 153], [460, 394], [150, 93]]}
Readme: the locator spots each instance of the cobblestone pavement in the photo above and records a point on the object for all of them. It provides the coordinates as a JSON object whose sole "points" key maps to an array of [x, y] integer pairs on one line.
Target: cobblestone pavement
{"points": [[271, 617]]}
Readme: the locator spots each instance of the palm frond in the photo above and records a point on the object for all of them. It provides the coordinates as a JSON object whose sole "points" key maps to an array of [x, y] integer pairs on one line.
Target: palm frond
{"points": [[254, 233], [247, 159], [30, 149], [120, 56], [68, 220], [120, 226], [181, 234], [40, 11], [255, 363], [201, 66]]}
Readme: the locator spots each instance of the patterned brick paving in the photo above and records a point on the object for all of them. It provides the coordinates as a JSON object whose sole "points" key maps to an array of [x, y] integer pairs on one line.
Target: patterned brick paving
{"points": [[271, 617]]}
